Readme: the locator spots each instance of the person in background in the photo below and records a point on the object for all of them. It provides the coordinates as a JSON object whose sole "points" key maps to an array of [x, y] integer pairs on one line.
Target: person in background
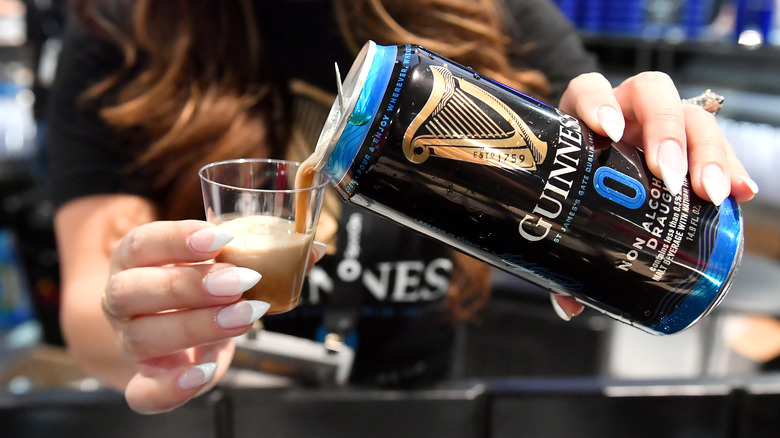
{"points": [[148, 91]]}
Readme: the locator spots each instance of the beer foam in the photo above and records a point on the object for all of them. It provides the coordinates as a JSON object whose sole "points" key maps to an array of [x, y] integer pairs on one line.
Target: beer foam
{"points": [[259, 232]]}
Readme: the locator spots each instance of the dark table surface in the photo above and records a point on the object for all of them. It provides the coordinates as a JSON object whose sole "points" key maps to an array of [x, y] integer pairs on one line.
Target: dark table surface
{"points": [[533, 407]]}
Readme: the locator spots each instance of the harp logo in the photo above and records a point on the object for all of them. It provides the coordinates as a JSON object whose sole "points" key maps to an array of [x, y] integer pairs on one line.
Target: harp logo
{"points": [[460, 121]]}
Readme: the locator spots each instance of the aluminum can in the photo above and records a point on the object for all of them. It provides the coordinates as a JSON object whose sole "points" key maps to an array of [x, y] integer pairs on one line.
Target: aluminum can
{"points": [[518, 184]]}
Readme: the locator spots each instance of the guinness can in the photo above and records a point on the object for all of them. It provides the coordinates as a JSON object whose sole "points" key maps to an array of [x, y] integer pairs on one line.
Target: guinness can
{"points": [[496, 174]]}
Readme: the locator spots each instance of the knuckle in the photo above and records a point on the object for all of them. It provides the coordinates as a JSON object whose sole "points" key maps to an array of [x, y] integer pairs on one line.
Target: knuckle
{"points": [[655, 77], [173, 278], [191, 329], [668, 115], [129, 343], [116, 292], [178, 284], [708, 142], [132, 245], [584, 77], [133, 341], [589, 80]]}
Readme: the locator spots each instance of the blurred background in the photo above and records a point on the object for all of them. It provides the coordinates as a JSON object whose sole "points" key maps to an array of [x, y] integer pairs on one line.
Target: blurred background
{"points": [[519, 368]]}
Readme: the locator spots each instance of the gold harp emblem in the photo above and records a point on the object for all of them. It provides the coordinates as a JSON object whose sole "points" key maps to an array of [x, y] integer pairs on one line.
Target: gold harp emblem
{"points": [[460, 121]]}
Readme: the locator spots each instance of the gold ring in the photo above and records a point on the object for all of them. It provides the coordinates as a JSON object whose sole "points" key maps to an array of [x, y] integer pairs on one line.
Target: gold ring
{"points": [[709, 100]]}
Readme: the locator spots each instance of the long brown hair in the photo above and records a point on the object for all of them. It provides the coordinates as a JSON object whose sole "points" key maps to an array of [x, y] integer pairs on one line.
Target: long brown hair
{"points": [[196, 86]]}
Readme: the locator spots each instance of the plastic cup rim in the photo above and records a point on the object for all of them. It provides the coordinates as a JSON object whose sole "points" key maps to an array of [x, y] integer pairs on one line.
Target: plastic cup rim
{"points": [[201, 173]]}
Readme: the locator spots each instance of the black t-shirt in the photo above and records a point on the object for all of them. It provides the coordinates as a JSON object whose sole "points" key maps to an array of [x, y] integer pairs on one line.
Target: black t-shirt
{"points": [[403, 333]]}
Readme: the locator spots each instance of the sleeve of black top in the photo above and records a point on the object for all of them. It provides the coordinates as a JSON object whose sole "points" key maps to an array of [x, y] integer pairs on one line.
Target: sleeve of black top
{"points": [[544, 40], [82, 156]]}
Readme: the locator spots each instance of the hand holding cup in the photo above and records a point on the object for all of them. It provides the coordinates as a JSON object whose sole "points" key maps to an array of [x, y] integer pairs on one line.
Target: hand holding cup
{"points": [[272, 221]]}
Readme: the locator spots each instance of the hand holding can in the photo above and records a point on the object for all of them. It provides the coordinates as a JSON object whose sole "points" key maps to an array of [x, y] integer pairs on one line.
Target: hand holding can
{"points": [[447, 152]]}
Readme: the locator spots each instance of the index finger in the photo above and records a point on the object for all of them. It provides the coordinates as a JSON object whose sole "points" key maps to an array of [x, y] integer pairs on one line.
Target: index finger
{"points": [[654, 111], [590, 98], [169, 242]]}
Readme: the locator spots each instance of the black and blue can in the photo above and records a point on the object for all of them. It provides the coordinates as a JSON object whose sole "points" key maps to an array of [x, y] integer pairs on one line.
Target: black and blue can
{"points": [[498, 175]]}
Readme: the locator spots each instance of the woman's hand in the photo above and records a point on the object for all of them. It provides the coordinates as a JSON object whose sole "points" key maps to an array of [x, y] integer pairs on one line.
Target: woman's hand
{"points": [[144, 308], [646, 111], [174, 313], [678, 139]]}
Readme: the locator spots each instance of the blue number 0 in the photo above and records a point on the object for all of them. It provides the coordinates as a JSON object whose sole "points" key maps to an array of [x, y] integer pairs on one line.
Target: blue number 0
{"points": [[632, 185]]}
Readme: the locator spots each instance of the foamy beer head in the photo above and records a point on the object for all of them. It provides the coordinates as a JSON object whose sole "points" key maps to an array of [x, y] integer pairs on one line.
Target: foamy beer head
{"points": [[272, 216]]}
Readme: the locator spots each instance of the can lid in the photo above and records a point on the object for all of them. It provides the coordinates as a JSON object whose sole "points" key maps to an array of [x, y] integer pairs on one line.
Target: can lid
{"points": [[344, 106]]}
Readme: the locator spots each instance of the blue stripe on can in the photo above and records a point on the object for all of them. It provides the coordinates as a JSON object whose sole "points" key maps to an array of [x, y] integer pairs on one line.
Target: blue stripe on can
{"points": [[367, 105]]}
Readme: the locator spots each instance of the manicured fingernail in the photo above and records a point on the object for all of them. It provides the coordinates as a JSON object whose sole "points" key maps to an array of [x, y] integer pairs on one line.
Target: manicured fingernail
{"points": [[197, 375], [751, 184], [611, 122], [319, 249], [241, 313], [715, 183], [672, 165], [209, 239], [558, 309], [230, 281]]}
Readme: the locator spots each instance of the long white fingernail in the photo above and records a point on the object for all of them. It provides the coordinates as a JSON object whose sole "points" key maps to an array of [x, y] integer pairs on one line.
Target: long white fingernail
{"points": [[209, 239], [715, 183], [197, 375], [611, 122], [230, 281], [558, 309], [241, 313], [751, 184], [672, 166], [319, 249]]}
